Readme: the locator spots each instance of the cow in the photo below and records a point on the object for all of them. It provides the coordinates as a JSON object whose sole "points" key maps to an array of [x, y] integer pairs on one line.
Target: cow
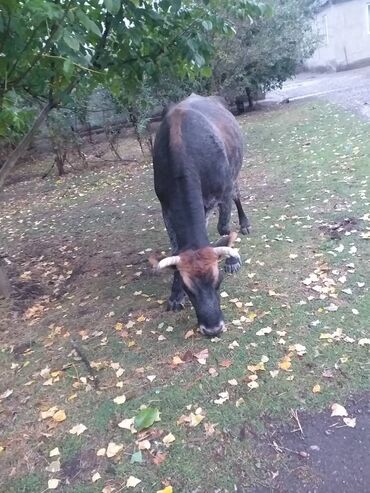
{"points": [[197, 157]]}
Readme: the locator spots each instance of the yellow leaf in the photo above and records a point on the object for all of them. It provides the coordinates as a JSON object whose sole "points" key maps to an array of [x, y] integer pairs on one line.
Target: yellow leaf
{"points": [[195, 419], [176, 360], [316, 389], [168, 439], [2, 449], [118, 326], [101, 452], [141, 319], [49, 413], [113, 449], [189, 333], [59, 416], [167, 489], [338, 410], [285, 363]]}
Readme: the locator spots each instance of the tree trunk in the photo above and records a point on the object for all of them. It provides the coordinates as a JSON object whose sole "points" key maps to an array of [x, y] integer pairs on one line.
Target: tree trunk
{"points": [[250, 99], [23, 144]]}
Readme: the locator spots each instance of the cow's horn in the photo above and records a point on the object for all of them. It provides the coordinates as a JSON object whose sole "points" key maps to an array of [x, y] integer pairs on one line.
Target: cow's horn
{"points": [[168, 262], [226, 252]]}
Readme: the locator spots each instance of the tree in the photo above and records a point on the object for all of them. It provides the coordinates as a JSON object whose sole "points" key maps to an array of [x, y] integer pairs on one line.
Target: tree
{"points": [[266, 52], [52, 46]]}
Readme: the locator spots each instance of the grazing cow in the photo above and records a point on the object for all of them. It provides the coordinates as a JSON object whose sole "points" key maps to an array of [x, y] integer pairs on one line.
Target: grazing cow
{"points": [[197, 158]]}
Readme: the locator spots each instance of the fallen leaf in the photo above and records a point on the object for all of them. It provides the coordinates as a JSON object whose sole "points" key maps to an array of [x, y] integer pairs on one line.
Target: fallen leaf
{"points": [[316, 389], [137, 457], [78, 429], [54, 452], [132, 482], [146, 418], [53, 466], [101, 452], [189, 333], [167, 489], [128, 424], [49, 413], [285, 364], [176, 360], [120, 399], [113, 449], [53, 484], [59, 416], [232, 382], [226, 363], [158, 458], [95, 477], [118, 326], [351, 422], [6, 394], [338, 410], [223, 397], [195, 419], [202, 356], [144, 444], [264, 331], [253, 385], [170, 438], [364, 342]]}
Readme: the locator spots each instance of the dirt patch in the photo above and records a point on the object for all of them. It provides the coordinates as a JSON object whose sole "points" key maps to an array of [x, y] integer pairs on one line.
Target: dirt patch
{"points": [[337, 230], [324, 456]]}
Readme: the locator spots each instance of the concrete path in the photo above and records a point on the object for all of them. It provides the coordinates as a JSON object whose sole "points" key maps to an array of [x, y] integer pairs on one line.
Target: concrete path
{"points": [[350, 89]]}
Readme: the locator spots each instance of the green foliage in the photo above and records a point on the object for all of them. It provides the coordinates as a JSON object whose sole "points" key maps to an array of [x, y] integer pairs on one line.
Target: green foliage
{"points": [[146, 418], [49, 48], [266, 52]]}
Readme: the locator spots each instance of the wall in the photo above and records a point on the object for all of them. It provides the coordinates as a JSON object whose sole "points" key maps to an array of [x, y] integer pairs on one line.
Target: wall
{"points": [[345, 37]]}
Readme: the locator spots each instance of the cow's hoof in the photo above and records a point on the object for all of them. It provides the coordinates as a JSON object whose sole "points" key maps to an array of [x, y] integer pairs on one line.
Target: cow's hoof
{"points": [[223, 230], [245, 226], [232, 265], [175, 305]]}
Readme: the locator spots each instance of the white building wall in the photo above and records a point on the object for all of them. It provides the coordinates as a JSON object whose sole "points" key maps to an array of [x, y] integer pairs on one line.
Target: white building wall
{"points": [[345, 35]]}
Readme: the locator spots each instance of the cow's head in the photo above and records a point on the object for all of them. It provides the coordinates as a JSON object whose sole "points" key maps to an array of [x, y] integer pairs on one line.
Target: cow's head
{"points": [[201, 280]]}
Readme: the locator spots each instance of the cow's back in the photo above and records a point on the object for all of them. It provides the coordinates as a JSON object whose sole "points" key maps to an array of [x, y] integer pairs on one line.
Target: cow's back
{"points": [[198, 138]]}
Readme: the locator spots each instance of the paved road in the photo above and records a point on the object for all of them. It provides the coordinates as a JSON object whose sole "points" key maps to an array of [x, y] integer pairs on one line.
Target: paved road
{"points": [[350, 89]]}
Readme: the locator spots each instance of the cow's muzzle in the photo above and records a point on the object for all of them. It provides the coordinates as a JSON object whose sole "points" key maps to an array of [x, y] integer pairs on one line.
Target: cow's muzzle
{"points": [[214, 331]]}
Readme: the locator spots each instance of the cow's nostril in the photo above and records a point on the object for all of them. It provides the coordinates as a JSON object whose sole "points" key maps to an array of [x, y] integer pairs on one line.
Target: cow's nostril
{"points": [[214, 331]]}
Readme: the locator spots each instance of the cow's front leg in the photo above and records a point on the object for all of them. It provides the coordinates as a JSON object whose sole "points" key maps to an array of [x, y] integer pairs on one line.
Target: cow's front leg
{"points": [[231, 264], [176, 301]]}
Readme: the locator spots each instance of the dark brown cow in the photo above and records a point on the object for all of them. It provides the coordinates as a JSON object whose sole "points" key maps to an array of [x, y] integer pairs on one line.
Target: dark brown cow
{"points": [[197, 158]]}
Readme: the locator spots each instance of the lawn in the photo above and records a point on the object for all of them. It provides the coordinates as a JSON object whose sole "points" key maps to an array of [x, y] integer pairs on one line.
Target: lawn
{"points": [[86, 340]]}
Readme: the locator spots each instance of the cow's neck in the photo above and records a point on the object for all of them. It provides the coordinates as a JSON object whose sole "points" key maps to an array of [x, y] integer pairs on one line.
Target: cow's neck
{"points": [[188, 217]]}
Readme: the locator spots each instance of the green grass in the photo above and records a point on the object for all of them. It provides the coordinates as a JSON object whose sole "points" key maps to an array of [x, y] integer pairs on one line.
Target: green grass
{"points": [[306, 168]]}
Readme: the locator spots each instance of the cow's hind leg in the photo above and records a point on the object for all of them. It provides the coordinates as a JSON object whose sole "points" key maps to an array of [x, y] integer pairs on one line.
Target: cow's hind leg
{"points": [[176, 301], [243, 219], [223, 225], [231, 264]]}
